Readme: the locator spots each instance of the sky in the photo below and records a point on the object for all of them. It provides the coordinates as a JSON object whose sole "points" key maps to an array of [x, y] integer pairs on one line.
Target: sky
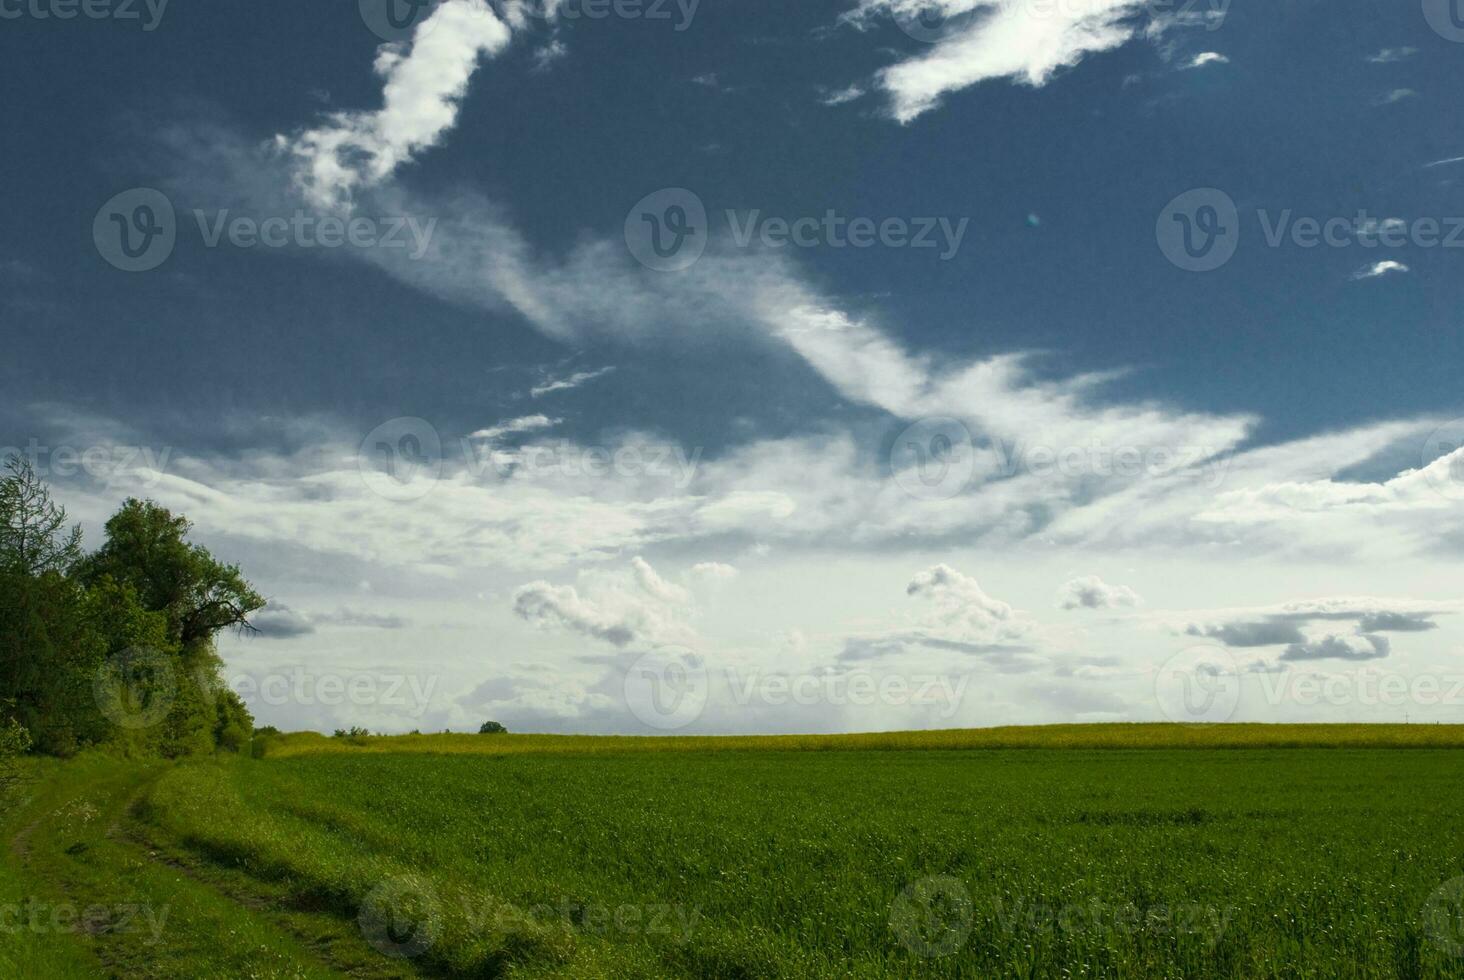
{"points": [[695, 366]]}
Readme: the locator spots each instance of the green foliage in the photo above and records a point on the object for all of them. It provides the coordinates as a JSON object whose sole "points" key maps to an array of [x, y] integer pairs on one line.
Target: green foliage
{"points": [[14, 741], [115, 648], [146, 548], [492, 728]]}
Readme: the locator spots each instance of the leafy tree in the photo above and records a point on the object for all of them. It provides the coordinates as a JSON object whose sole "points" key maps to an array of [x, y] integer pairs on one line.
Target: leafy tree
{"points": [[116, 647], [492, 728], [146, 548]]}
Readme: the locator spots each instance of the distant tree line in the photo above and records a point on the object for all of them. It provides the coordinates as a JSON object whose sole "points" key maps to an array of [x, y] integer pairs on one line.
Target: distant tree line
{"points": [[114, 647]]}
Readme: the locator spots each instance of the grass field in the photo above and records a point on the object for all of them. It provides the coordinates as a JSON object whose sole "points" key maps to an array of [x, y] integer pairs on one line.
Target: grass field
{"points": [[537, 857]]}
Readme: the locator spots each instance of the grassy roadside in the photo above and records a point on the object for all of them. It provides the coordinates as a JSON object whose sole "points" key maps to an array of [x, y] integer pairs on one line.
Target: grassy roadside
{"points": [[1111, 736], [28, 950], [82, 896]]}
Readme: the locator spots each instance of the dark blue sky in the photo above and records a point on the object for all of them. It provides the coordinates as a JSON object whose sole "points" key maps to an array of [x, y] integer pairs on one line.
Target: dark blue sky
{"points": [[1288, 123]]}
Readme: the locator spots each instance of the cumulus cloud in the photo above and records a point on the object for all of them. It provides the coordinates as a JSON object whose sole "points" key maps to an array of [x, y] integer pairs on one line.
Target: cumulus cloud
{"points": [[1332, 647], [963, 619], [654, 585], [1091, 592], [1285, 625], [547, 605], [279, 622], [959, 598], [713, 571], [617, 608], [424, 82], [1255, 634]]}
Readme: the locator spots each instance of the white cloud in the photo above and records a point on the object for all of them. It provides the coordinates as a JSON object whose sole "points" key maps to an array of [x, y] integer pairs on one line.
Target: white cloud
{"points": [[713, 571], [1091, 592], [1377, 269], [518, 426], [609, 607], [1207, 58], [993, 39], [424, 82], [655, 586], [1333, 647]]}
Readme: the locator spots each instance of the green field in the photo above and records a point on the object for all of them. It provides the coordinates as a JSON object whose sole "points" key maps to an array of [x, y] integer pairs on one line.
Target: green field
{"points": [[538, 857]]}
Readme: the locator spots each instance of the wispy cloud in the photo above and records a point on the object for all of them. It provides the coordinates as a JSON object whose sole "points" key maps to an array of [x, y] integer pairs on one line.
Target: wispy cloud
{"points": [[1395, 96], [1388, 56], [569, 383], [842, 96], [528, 423]]}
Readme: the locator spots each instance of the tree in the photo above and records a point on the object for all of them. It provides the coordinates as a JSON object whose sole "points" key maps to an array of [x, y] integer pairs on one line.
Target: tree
{"points": [[492, 728], [33, 538], [146, 548]]}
